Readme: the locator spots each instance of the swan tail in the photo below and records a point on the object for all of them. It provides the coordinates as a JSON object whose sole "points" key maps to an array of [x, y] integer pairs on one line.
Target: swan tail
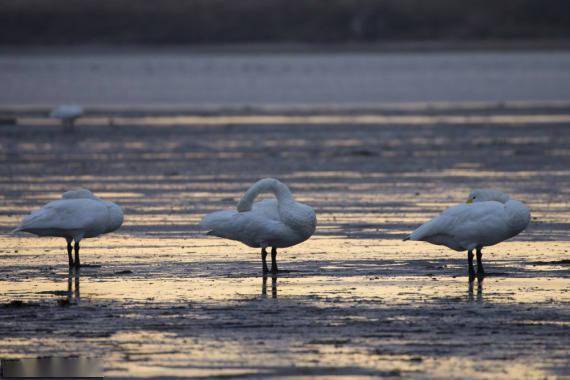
{"points": [[278, 188], [38, 219], [217, 223], [425, 230], [35, 219]]}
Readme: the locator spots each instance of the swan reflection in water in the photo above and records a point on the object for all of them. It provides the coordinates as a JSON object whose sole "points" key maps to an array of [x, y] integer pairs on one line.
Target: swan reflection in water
{"points": [[73, 278], [470, 296], [273, 286]]}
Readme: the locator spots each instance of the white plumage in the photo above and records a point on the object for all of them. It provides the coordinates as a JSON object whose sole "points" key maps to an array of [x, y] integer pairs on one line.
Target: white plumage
{"points": [[489, 217], [67, 114], [276, 223], [77, 215]]}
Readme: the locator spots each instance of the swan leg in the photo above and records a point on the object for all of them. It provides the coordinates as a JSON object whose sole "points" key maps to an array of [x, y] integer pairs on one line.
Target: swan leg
{"points": [[264, 260], [480, 270], [68, 125], [274, 268], [471, 268], [77, 264], [69, 250]]}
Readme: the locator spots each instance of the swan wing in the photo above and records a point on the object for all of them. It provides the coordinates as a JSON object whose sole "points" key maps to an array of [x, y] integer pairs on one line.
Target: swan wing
{"points": [[72, 214], [441, 224], [217, 220], [267, 208], [252, 228], [486, 224]]}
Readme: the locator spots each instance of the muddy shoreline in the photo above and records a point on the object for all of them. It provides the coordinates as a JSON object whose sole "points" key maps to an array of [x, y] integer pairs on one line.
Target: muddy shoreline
{"points": [[162, 300]]}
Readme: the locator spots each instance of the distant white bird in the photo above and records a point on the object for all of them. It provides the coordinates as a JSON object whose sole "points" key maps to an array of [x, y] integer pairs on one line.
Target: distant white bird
{"points": [[488, 218], [79, 214], [275, 223], [67, 114]]}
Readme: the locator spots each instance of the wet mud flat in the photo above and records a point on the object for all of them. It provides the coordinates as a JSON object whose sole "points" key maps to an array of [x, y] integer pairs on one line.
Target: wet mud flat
{"points": [[159, 299]]}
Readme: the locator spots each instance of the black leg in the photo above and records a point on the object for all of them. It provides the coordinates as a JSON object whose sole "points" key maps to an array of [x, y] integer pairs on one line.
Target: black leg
{"points": [[264, 260], [471, 268], [77, 264], [480, 270], [69, 250], [274, 268]]}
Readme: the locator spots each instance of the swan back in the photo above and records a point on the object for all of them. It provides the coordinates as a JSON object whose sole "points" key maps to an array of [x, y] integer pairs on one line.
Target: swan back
{"points": [[485, 195], [67, 112], [79, 193]]}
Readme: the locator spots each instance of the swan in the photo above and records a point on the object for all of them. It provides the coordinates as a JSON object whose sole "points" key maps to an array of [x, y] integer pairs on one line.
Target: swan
{"points": [[67, 114], [77, 215], [275, 223], [488, 217]]}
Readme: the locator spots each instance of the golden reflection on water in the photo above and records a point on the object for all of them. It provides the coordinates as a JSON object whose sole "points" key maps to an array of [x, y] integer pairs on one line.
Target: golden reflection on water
{"points": [[405, 120], [323, 266]]}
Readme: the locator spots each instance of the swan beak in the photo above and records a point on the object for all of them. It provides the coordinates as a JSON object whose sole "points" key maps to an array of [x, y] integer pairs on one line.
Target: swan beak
{"points": [[469, 201]]}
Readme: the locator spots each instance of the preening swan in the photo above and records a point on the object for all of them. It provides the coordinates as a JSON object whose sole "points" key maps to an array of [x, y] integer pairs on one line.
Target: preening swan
{"points": [[275, 223], [488, 217], [67, 114], [77, 215]]}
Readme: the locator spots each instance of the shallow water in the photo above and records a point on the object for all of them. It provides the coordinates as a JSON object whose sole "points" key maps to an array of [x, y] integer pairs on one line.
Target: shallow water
{"points": [[157, 298]]}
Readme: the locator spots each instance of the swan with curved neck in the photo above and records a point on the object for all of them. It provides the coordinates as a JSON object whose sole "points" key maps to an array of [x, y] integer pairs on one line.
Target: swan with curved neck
{"points": [[77, 215], [487, 218], [277, 223]]}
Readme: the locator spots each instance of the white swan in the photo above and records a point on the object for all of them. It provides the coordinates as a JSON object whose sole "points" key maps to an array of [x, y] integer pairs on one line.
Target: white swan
{"points": [[78, 215], [67, 114], [275, 223], [488, 218]]}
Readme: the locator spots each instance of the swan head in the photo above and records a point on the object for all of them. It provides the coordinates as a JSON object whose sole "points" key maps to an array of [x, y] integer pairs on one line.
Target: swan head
{"points": [[115, 217], [518, 215], [485, 195], [78, 193], [301, 218]]}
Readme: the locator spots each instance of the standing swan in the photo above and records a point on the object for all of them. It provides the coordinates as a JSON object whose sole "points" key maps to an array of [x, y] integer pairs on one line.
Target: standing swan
{"points": [[488, 218], [67, 114], [77, 215], [275, 223]]}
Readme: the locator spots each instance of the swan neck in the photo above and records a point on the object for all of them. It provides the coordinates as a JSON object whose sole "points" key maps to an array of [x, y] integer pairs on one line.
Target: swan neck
{"points": [[280, 190]]}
